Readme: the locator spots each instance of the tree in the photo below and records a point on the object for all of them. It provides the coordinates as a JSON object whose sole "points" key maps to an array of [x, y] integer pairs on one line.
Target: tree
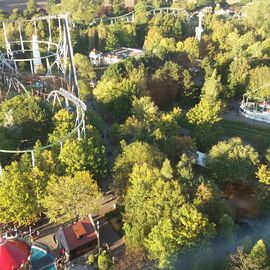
{"points": [[21, 188], [120, 84], [164, 86], [241, 261], [51, 4], [188, 85], [134, 259], [162, 243], [238, 76], [256, 15], [135, 153], [213, 90], [174, 146], [63, 122], [226, 228], [26, 116], [84, 67], [31, 7], [88, 153], [70, 197], [112, 41], [258, 255], [204, 119], [190, 46], [167, 170], [157, 217], [104, 261], [187, 229], [258, 84], [81, 11], [232, 161], [118, 6], [264, 175]]}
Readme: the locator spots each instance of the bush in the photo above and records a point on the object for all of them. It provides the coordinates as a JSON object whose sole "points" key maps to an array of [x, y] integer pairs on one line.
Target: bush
{"points": [[104, 261], [91, 259]]}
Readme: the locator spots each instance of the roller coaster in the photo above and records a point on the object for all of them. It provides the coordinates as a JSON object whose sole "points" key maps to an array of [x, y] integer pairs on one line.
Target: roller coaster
{"points": [[149, 11], [58, 83]]}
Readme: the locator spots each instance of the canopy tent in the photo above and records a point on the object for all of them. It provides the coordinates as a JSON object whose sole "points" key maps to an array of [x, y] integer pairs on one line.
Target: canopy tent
{"points": [[14, 253]]}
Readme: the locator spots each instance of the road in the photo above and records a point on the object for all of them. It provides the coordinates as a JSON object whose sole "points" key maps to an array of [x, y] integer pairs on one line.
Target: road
{"points": [[8, 5]]}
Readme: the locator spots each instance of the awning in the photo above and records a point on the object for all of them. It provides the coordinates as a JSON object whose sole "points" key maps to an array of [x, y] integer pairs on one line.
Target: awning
{"points": [[13, 253]]}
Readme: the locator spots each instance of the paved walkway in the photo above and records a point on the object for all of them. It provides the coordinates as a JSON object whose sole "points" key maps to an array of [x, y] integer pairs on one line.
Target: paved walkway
{"points": [[108, 234]]}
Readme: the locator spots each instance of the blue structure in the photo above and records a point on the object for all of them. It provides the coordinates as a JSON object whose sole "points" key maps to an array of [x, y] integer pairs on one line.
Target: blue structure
{"points": [[41, 259]]}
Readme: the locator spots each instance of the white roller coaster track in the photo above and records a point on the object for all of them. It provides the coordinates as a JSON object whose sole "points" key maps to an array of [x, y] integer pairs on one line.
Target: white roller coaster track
{"points": [[11, 76], [129, 17]]}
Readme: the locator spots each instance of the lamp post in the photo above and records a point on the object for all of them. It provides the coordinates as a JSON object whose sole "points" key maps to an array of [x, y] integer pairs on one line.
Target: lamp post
{"points": [[98, 237]]}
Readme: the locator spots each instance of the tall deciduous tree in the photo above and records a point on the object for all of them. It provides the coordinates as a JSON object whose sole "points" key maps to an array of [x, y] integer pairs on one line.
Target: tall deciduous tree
{"points": [[21, 188], [164, 86], [259, 86], [63, 122], [81, 11], [232, 161], [118, 6], [90, 153], [31, 7], [204, 119], [157, 217], [132, 154], [238, 76], [258, 255], [70, 197]]}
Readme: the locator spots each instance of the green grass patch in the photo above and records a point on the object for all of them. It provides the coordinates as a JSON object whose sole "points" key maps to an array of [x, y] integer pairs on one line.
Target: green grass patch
{"points": [[258, 137]]}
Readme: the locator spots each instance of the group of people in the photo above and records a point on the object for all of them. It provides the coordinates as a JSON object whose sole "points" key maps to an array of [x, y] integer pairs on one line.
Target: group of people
{"points": [[60, 263]]}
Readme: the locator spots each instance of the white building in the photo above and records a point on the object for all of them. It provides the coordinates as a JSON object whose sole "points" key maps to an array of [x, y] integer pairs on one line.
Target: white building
{"points": [[105, 59]]}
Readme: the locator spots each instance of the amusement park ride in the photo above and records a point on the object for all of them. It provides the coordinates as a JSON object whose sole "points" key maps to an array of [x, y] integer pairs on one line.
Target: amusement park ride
{"points": [[254, 108], [58, 83]]}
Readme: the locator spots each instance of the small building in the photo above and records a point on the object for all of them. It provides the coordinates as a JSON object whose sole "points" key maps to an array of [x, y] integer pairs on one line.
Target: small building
{"points": [[95, 57], [105, 59], [78, 238], [201, 158]]}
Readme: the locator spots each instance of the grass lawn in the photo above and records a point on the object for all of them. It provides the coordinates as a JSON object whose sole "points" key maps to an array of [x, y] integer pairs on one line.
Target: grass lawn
{"points": [[258, 137]]}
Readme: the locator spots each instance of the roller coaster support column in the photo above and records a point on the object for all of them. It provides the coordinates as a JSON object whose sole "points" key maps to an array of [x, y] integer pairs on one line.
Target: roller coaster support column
{"points": [[33, 158], [70, 51]]}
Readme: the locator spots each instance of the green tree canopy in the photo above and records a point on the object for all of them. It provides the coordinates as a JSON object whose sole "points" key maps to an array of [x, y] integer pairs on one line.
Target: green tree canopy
{"points": [[164, 86], [132, 154], [204, 118], [81, 11], [88, 153], [238, 76], [256, 15], [63, 123], [70, 197], [27, 117], [84, 67], [232, 161], [21, 189], [153, 204], [31, 7], [259, 86]]}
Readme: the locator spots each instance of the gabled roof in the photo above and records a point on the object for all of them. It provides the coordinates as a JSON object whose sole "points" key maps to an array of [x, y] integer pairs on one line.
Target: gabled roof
{"points": [[78, 234]]}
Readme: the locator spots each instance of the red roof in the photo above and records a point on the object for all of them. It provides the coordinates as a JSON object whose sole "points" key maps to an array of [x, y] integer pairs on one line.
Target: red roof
{"points": [[13, 253], [89, 233]]}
